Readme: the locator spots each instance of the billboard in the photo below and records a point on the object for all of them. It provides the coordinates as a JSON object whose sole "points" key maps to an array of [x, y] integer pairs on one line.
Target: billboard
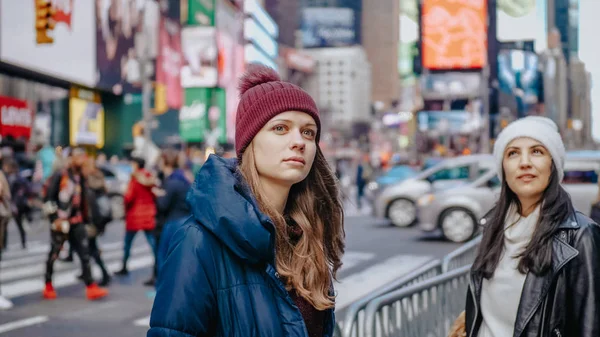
{"points": [[120, 41], [200, 57], [168, 64], [328, 27], [408, 50], [200, 12], [86, 123], [67, 52], [519, 80], [16, 118], [230, 62], [522, 21], [453, 34], [204, 118]]}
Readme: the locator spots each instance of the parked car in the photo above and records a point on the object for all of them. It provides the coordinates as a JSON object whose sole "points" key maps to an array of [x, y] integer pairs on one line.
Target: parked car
{"points": [[397, 202], [117, 178], [456, 211]]}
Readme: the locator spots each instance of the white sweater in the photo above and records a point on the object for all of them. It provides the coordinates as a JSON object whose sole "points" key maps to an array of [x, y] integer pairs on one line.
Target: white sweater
{"points": [[500, 295]]}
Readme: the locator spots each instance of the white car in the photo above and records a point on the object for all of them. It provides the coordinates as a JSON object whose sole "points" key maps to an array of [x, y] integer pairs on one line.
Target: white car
{"points": [[398, 202], [456, 211]]}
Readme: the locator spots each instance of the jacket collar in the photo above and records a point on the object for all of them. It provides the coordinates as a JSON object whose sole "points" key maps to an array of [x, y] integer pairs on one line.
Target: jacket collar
{"points": [[570, 222], [536, 288]]}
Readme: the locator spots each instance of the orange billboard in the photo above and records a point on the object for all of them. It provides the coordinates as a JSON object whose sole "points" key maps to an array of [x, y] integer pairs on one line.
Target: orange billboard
{"points": [[454, 34]]}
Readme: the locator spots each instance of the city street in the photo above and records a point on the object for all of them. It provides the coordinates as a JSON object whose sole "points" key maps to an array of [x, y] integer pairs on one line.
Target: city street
{"points": [[375, 255]]}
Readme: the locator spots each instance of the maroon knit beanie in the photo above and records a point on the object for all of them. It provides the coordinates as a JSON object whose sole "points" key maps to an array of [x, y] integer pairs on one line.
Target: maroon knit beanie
{"points": [[263, 96]]}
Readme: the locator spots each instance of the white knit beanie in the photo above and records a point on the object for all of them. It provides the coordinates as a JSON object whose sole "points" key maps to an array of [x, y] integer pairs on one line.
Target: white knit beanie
{"points": [[542, 129]]}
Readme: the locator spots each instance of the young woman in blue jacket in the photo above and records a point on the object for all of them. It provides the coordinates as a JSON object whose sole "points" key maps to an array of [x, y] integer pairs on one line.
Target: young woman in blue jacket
{"points": [[262, 247]]}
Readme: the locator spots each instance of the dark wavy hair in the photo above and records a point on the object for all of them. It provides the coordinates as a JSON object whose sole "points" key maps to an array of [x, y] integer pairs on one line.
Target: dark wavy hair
{"points": [[537, 257]]}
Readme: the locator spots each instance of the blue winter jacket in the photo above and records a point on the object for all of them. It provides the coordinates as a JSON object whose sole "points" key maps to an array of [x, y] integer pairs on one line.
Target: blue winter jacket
{"points": [[218, 276]]}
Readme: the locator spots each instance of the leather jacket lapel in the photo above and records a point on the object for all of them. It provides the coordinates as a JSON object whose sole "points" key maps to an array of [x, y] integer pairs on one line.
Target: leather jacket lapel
{"points": [[536, 288]]}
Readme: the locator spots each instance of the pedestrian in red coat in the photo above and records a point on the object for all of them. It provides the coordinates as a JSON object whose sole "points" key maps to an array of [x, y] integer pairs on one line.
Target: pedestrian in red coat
{"points": [[140, 209]]}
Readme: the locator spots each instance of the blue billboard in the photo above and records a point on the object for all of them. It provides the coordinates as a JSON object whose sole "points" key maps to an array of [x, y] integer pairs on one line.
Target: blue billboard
{"points": [[329, 27]]}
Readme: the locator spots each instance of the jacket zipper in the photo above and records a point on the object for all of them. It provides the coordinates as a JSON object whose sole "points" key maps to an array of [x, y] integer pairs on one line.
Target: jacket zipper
{"points": [[279, 284], [472, 291], [557, 332]]}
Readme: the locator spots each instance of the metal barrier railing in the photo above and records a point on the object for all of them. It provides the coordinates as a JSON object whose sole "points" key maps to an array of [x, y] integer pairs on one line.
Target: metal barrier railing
{"points": [[353, 323], [426, 309], [464, 255], [337, 331]]}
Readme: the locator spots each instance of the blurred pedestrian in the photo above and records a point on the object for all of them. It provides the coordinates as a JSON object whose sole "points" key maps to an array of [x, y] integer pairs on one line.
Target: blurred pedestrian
{"points": [[140, 209], [260, 253], [5, 216], [363, 176], [19, 190], [539, 274], [68, 215], [171, 203], [45, 158], [100, 215]]}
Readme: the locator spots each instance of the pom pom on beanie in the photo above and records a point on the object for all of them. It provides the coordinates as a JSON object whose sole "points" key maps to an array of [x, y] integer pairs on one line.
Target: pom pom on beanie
{"points": [[256, 75]]}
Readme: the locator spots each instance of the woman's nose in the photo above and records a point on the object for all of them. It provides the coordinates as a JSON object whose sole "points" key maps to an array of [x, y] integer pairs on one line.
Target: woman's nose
{"points": [[298, 142]]}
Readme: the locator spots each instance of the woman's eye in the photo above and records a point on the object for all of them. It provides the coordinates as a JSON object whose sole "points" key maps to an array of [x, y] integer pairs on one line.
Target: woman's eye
{"points": [[511, 153], [538, 151], [279, 128], [310, 133]]}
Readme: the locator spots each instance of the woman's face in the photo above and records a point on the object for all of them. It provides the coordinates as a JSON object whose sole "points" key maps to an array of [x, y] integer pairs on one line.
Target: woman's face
{"points": [[285, 148], [527, 167]]}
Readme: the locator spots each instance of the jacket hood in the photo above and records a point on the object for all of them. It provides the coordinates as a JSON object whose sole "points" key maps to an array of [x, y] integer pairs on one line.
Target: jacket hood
{"points": [[221, 201]]}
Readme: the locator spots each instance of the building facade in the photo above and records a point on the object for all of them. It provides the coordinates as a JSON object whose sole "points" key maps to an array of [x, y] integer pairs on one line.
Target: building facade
{"points": [[341, 85], [380, 38]]}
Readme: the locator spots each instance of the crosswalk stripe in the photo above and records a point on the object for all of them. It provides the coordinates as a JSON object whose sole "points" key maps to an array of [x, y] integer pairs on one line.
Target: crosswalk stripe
{"points": [[144, 321], [23, 323], [44, 248], [20, 261], [16, 246], [357, 285], [39, 267], [68, 278], [353, 259]]}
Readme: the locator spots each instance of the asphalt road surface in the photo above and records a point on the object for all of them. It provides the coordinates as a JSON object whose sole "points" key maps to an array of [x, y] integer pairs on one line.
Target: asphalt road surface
{"points": [[375, 255]]}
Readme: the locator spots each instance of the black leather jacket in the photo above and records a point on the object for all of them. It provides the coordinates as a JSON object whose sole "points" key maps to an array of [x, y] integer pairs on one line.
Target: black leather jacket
{"points": [[563, 302]]}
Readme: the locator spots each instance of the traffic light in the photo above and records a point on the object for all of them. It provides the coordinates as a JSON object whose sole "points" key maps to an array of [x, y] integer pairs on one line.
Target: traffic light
{"points": [[44, 21]]}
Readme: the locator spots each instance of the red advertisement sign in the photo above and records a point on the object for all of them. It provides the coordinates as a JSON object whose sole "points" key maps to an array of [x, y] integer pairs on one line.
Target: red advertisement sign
{"points": [[170, 61], [16, 117], [454, 34]]}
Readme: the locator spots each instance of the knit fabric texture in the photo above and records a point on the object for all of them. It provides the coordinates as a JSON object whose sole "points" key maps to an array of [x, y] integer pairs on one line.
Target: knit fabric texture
{"points": [[264, 96], [542, 129]]}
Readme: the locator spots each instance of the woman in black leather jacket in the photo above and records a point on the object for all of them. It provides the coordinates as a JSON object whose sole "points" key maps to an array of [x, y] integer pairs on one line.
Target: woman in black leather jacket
{"points": [[539, 274]]}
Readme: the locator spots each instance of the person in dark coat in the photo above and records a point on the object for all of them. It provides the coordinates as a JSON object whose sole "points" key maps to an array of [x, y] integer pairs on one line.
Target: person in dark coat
{"points": [[539, 274], [100, 215], [170, 202], [19, 189], [262, 247]]}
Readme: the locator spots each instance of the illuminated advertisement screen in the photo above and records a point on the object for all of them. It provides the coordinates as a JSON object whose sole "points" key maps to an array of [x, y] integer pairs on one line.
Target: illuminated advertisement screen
{"points": [[454, 34], [86, 123]]}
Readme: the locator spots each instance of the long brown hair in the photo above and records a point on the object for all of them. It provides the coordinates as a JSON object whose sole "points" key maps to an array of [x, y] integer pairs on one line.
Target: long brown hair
{"points": [[314, 204]]}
